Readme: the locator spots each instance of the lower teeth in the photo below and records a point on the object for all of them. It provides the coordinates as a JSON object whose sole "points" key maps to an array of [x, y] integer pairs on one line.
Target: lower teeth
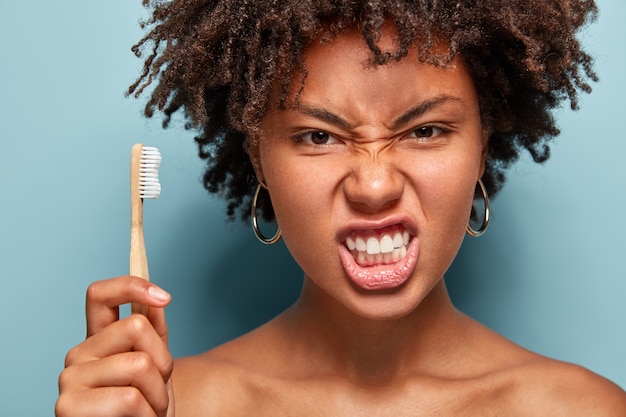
{"points": [[365, 259]]}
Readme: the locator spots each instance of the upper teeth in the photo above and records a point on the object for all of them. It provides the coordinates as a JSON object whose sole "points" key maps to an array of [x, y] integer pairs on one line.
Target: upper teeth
{"points": [[374, 245]]}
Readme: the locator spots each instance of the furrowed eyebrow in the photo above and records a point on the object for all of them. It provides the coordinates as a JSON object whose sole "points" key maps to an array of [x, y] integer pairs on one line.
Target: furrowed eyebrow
{"points": [[324, 115], [415, 112], [420, 109]]}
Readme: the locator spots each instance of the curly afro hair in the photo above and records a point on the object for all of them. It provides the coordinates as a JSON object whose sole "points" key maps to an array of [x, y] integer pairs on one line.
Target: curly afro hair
{"points": [[219, 60]]}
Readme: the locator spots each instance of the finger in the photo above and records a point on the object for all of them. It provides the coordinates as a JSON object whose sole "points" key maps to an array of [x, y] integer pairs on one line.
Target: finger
{"points": [[134, 333], [134, 369], [105, 297], [170, 393], [105, 402], [157, 318]]}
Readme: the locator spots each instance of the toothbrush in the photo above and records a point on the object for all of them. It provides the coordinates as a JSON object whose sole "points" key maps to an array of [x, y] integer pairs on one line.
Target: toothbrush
{"points": [[144, 183]]}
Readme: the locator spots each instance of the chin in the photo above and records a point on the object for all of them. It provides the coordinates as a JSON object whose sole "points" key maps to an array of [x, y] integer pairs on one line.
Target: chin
{"points": [[386, 305]]}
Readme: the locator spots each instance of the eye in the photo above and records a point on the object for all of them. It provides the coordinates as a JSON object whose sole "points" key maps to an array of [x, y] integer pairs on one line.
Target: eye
{"points": [[317, 137], [427, 132]]}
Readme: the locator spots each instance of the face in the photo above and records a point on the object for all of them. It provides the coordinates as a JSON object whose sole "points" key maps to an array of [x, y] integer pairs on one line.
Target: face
{"points": [[371, 174]]}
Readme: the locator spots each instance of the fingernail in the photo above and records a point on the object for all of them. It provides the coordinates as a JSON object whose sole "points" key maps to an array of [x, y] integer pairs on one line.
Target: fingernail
{"points": [[158, 294]]}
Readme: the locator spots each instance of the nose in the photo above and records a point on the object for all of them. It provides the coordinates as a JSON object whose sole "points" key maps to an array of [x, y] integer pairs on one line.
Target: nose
{"points": [[373, 185]]}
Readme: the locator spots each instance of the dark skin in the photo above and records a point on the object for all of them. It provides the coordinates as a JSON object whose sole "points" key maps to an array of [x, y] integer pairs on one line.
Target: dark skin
{"points": [[363, 162], [495, 378], [217, 63]]}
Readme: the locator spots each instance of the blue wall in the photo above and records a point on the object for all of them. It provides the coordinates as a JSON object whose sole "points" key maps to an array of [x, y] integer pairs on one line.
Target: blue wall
{"points": [[548, 274]]}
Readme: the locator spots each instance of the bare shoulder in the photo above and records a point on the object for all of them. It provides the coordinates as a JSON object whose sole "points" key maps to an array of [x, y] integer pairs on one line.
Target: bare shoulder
{"points": [[549, 387], [225, 381], [207, 383], [250, 376], [527, 384]]}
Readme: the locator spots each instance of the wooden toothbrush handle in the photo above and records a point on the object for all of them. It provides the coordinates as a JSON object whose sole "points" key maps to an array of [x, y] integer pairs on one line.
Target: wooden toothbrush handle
{"points": [[138, 258], [138, 261]]}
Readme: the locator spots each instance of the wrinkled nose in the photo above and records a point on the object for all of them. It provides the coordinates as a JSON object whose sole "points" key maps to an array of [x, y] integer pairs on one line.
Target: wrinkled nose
{"points": [[373, 185]]}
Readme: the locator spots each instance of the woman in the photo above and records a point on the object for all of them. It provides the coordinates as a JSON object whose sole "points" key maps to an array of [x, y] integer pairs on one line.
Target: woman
{"points": [[365, 130]]}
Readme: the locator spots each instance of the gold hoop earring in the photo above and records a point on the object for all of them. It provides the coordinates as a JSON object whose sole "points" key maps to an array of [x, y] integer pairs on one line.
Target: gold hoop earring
{"points": [[255, 224], [483, 227]]}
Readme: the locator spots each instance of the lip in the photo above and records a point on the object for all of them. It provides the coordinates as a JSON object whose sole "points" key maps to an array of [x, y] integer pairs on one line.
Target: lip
{"points": [[366, 225], [380, 277]]}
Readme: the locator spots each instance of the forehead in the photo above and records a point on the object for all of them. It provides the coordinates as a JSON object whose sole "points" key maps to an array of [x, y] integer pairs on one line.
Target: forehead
{"points": [[341, 74]]}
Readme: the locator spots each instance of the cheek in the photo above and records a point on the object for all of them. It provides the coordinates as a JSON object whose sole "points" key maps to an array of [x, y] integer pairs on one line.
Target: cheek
{"points": [[459, 175], [445, 190], [296, 182], [450, 191], [302, 197], [304, 214]]}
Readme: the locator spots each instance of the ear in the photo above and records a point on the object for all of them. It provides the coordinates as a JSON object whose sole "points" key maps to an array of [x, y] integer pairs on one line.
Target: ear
{"points": [[484, 152], [255, 161], [251, 148]]}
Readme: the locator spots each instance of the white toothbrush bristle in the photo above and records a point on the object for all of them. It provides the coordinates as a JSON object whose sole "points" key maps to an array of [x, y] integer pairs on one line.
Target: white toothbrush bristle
{"points": [[149, 186]]}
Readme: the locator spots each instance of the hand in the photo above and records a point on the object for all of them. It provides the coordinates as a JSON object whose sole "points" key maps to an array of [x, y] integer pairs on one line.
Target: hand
{"points": [[123, 367]]}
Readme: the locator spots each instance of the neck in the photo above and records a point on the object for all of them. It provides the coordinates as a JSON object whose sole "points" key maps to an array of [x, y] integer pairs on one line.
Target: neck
{"points": [[335, 341]]}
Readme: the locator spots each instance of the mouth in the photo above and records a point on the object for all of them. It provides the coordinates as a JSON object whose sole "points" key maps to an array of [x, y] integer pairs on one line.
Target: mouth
{"points": [[379, 259], [378, 247]]}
